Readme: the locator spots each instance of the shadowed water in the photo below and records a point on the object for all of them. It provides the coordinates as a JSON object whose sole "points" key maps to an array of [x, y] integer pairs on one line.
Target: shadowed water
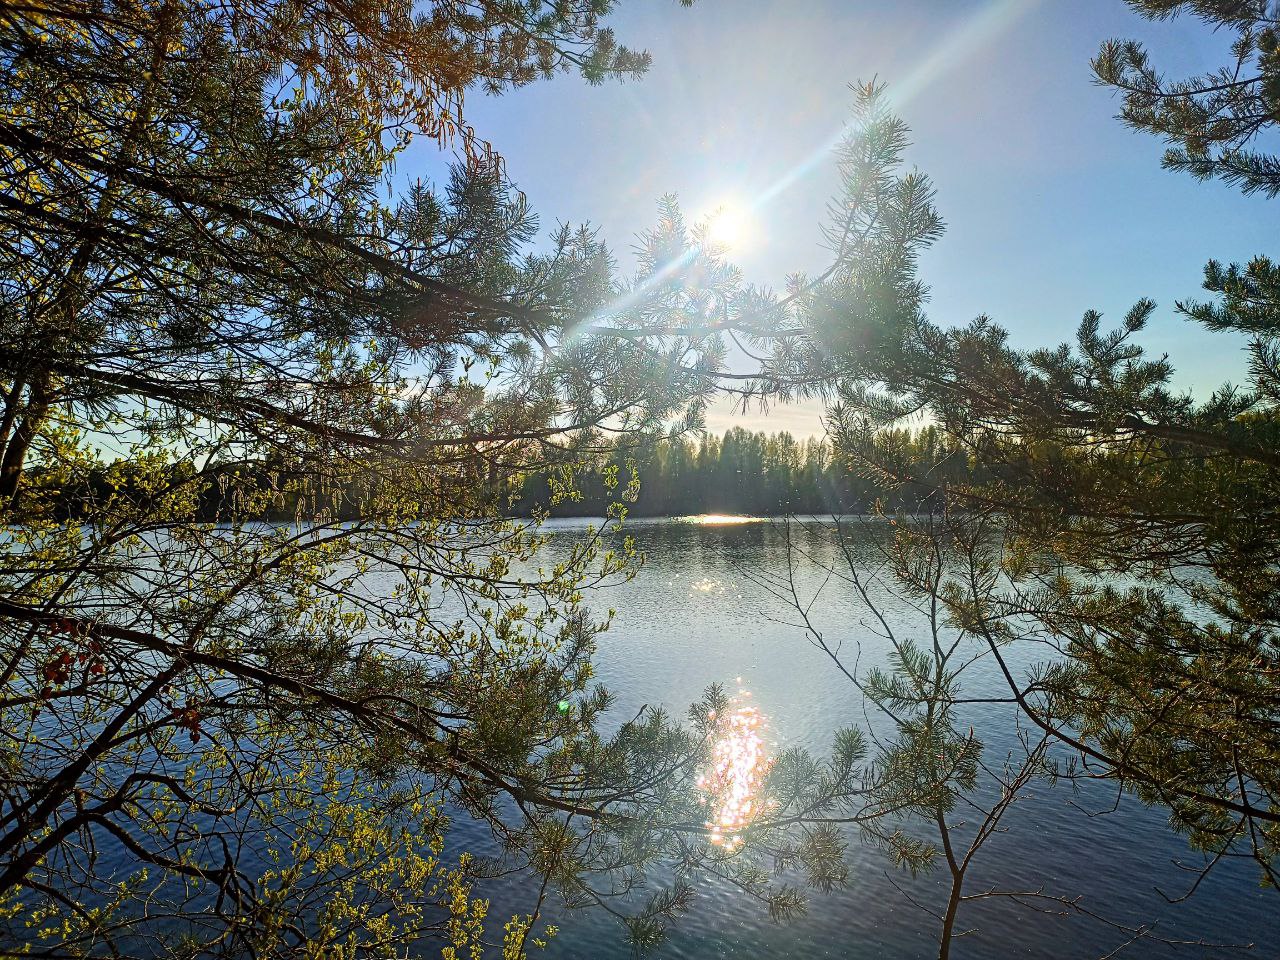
{"points": [[694, 616]]}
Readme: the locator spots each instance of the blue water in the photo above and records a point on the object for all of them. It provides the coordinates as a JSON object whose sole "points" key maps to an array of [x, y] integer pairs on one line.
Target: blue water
{"points": [[695, 616]]}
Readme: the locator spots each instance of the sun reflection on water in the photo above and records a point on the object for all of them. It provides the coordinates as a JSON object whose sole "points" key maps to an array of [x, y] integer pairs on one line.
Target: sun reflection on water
{"points": [[720, 519], [740, 762]]}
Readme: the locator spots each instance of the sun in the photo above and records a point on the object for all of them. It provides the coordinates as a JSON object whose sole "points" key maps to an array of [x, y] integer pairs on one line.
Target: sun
{"points": [[730, 225]]}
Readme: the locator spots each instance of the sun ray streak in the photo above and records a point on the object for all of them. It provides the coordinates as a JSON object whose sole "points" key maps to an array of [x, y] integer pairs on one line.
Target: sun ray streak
{"points": [[959, 45]]}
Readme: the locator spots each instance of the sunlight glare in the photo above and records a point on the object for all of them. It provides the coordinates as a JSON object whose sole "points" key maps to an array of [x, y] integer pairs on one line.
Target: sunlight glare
{"points": [[730, 226], [740, 762], [720, 519]]}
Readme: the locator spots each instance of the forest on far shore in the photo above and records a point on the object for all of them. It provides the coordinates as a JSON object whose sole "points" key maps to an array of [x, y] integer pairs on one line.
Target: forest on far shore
{"points": [[749, 472], [740, 472]]}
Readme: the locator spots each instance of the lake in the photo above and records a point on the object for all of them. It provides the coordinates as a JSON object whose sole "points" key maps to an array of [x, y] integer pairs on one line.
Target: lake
{"points": [[694, 616]]}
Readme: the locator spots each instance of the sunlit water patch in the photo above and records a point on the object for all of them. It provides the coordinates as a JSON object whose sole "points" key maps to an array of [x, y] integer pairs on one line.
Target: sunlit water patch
{"points": [[720, 519], [740, 762]]}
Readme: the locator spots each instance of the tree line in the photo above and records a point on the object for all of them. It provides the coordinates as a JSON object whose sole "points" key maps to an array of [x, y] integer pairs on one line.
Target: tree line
{"points": [[739, 472], [751, 472]]}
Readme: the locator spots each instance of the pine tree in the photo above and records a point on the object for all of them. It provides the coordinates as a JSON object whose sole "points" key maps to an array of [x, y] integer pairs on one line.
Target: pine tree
{"points": [[1214, 122], [210, 315], [1125, 523]]}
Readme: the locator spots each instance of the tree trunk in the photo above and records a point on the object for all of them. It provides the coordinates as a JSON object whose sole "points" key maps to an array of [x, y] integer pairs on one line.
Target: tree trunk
{"points": [[10, 411], [949, 919], [15, 452]]}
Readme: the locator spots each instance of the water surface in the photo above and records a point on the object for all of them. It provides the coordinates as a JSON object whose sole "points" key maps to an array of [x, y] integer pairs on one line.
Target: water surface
{"points": [[694, 616]]}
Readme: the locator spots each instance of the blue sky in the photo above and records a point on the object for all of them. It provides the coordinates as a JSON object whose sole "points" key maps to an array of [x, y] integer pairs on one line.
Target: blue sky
{"points": [[1053, 207]]}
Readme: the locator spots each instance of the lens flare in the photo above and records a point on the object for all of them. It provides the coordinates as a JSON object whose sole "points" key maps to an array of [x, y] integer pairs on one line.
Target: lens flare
{"points": [[739, 764]]}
